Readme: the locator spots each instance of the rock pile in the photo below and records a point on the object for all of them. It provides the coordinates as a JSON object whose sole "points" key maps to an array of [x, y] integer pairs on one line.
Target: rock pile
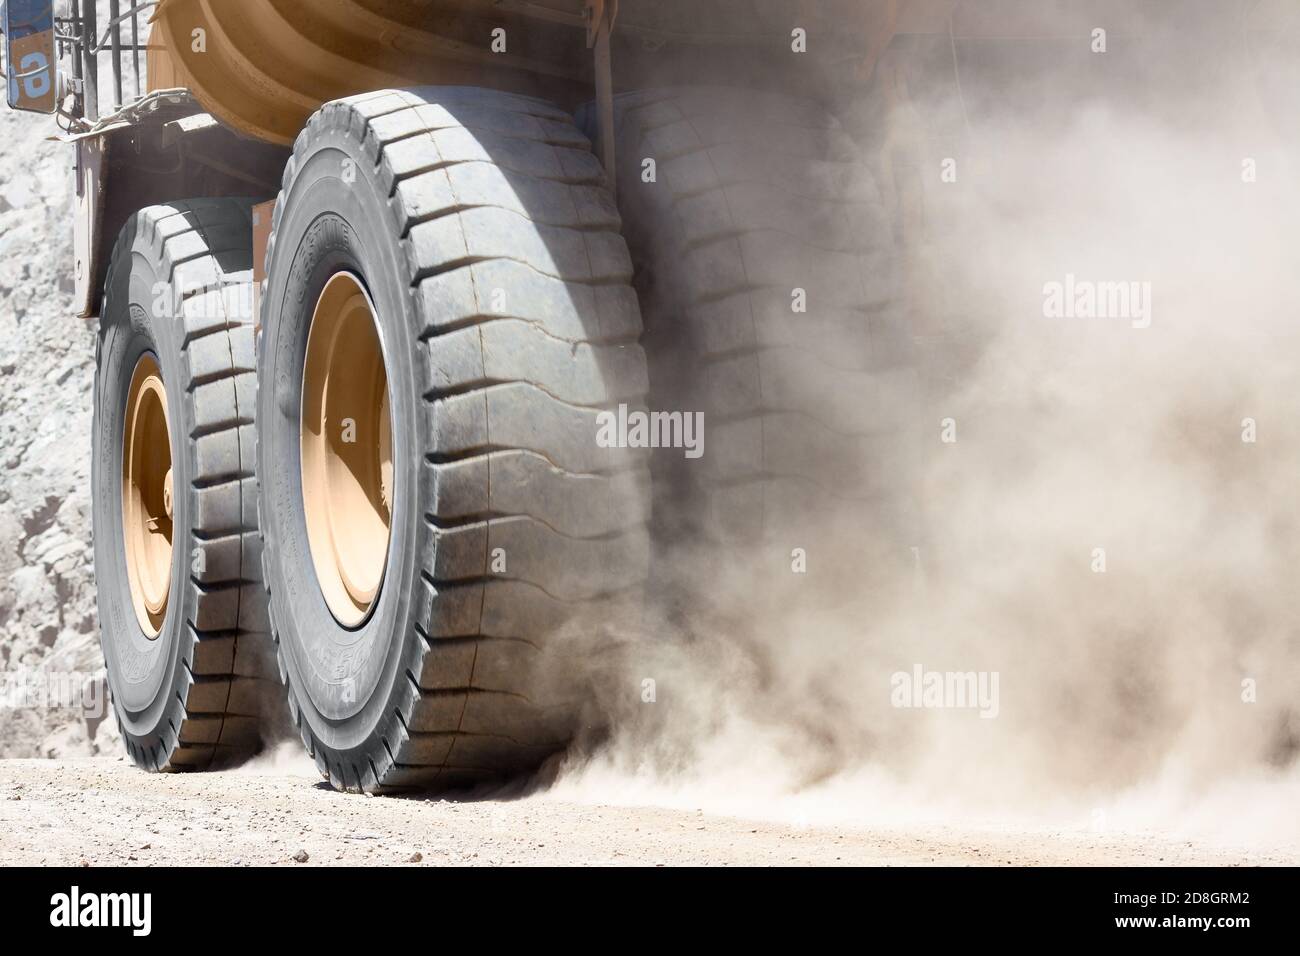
{"points": [[49, 643]]}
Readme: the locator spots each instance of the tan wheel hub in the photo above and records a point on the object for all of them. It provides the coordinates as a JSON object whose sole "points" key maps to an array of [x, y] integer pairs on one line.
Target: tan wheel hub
{"points": [[147, 495], [347, 450]]}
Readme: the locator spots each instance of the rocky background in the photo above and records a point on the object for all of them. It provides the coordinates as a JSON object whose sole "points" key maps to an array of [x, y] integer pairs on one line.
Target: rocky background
{"points": [[49, 645]]}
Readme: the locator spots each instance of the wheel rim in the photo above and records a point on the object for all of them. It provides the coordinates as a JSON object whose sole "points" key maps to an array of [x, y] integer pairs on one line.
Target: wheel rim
{"points": [[347, 450], [147, 503]]}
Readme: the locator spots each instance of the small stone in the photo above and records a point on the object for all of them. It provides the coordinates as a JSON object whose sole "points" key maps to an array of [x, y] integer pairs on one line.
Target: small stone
{"points": [[301, 857], [416, 857]]}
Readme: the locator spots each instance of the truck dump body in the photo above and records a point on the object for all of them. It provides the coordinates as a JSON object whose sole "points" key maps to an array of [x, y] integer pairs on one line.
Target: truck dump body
{"points": [[262, 68]]}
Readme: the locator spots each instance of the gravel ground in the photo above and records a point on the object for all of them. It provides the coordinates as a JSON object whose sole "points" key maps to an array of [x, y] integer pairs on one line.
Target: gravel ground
{"points": [[48, 625], [103, 812]]}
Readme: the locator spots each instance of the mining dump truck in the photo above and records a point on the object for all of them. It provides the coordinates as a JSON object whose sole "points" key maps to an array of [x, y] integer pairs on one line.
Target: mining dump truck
{"points": [[406, 311]]}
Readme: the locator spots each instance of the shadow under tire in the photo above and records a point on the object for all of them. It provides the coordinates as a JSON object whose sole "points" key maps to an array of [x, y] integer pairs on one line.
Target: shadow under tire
{"points": [[473, 229], [177, 557]]}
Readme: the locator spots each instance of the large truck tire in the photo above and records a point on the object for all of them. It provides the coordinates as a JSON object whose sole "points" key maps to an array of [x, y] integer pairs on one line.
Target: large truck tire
{"points": [[447, 310], [768, 277], [177, 558]]}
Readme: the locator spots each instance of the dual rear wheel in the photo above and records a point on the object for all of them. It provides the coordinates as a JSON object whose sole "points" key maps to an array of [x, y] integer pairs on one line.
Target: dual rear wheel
{"points": [[440, 539]]}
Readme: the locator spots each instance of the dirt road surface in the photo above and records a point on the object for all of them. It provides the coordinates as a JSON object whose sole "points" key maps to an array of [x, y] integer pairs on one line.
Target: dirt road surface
{"points": [[104, 812]]}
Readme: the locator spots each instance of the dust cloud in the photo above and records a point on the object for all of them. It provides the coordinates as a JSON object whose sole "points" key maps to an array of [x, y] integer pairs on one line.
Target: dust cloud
{"points": [[1105, 297]]}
